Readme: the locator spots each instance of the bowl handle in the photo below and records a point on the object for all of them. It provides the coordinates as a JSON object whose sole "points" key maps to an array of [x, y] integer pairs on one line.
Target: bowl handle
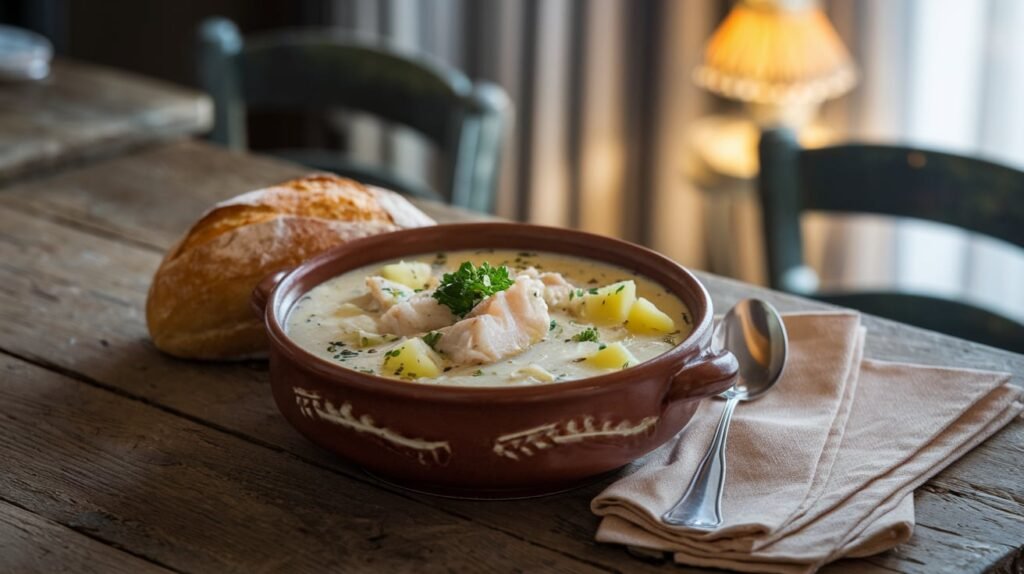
{"points": [[706, 375], [261, 293]]}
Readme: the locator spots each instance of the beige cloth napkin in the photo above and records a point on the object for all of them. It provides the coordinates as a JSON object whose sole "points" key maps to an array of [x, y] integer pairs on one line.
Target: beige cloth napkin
{"points": [[822, 467]]}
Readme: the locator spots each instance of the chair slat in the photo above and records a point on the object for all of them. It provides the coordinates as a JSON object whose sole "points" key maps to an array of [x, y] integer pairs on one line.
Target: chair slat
{"points": [[322, 69], [968, 193]]}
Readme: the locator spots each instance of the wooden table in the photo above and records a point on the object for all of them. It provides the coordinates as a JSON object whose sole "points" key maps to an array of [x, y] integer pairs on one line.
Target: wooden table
{"points": [[116, 458], [84, 111]]}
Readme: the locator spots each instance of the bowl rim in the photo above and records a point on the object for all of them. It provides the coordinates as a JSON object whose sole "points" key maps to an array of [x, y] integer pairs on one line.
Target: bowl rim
{"points": [[680, 354]]}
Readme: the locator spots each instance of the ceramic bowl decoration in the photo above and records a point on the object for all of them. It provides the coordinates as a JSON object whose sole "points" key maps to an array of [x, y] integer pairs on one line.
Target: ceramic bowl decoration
{"points": [[491, 441]]}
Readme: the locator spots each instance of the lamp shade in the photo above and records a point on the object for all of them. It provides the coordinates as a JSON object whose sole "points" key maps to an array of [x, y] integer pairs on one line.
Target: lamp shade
{"points": [[776, 53]]}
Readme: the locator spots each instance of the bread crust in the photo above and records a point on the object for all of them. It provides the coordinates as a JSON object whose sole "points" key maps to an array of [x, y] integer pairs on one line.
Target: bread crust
{"points": [[198, 303]]}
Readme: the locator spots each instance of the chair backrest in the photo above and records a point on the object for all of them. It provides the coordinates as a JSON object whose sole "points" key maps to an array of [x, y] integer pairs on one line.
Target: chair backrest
{"points": [[968, 193], [323, 68]]}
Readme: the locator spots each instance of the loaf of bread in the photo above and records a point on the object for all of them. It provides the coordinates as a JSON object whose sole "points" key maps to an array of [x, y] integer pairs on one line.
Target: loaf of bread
{"points": [[198, 304]]}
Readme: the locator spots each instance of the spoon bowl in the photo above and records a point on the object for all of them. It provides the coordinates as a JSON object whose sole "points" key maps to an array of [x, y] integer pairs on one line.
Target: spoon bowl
{"points": [[753, 331]]}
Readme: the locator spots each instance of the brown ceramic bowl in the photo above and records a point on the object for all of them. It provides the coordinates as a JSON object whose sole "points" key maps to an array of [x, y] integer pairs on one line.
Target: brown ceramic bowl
{"points": [[491, 442]]}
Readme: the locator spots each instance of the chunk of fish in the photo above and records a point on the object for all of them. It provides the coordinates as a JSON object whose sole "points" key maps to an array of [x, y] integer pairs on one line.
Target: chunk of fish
{"points": [[418, 314], [556, 288], [386, 293], [500, 326]]}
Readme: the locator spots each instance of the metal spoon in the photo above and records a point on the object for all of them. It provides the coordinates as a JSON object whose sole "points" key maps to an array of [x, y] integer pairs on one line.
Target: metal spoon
{"points": [[753, 331]]}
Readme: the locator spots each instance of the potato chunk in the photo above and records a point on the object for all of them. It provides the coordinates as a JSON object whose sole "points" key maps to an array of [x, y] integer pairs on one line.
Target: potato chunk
{"points": [[609, 305], [613, 356], [646, 319], [412, 274], [412, 359]]}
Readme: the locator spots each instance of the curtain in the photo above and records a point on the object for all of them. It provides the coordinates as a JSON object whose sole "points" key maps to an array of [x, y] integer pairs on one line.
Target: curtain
{"points": [[604, 97], [602, 93]]}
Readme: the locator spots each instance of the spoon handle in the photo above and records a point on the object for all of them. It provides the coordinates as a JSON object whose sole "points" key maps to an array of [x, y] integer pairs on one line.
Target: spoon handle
{"points": [[701, 504]]}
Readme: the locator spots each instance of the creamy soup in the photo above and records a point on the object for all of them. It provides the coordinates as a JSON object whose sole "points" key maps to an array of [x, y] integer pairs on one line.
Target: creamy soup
{"points": [[488, 318]]}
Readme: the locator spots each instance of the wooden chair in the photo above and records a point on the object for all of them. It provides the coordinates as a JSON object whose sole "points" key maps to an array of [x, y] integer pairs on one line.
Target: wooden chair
{"points": [[968, 193], [326, 69]]}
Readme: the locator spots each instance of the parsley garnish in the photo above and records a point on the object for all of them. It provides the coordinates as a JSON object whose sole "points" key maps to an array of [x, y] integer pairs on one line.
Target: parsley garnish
{"points": [[588, 334], [477, 373], [464, 289], [431, 339], [552, 325]]}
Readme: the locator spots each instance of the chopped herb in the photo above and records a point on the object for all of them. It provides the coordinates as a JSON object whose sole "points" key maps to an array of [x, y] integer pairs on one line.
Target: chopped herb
{"points": [[334, 346], [551, 327], [464, 289], [579, 360], [346, 354], [411, 375], [399, 370], [686, 318], [621, 287], [431, 339], [588, 334], [364, 341], [371, 351], [392, 353], [367, 371], [626, 364], [602, 347], [477, 373], [592, 290]]}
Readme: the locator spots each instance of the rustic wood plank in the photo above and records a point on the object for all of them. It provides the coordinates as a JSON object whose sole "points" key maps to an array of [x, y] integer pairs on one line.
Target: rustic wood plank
{"points": [[97, 331], [66, 309], [185, 178], [223, 396], [85, 111], [196, 499], [30, 543]]}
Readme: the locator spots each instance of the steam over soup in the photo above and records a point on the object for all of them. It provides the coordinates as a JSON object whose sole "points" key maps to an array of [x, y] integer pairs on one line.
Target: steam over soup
{"points": [[488, 318]]}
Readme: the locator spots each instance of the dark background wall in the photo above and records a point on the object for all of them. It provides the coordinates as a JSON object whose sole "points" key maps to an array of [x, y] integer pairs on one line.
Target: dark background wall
{"points": [[152, 38]]}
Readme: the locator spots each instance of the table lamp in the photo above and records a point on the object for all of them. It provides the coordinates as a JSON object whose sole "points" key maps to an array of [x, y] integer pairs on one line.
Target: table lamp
{"points": [[782, 58]]}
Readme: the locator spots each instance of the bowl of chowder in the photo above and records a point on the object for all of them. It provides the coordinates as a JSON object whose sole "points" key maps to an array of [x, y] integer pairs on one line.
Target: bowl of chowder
{"points": [[490, 359]]}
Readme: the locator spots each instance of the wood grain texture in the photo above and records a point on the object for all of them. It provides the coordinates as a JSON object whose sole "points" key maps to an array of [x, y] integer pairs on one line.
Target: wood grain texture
{"points": [[30, 543], [185, 178], [73, 277], [85, 111], [196, 499]]}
